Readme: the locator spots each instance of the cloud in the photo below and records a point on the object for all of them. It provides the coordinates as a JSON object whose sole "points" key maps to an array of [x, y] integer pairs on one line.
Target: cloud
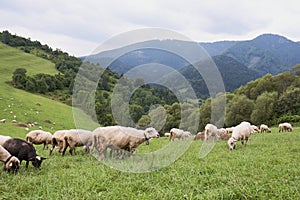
{"points": [[66, 24]]}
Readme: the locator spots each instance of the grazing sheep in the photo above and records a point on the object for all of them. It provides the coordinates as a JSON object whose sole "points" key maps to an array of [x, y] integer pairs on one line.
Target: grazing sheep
{"points": [[222, 134], [264, 128], [2, 120], [58, 140], [210, 131], [255, 129], [199, 136], [178, 133], [11, 163], [240, 132], [39, 137], [77, 138], [23, 151], [3, 139], [119, 137], [285, 127]]}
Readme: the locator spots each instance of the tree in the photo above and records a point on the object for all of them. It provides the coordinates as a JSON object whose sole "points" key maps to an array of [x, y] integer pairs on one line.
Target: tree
{"points": [[264, 107], [288, 103], [19, 78], [238, 109], [42, 86], [136, 112]]}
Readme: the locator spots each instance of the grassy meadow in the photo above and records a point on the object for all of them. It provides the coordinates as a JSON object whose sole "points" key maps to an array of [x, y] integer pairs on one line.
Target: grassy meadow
{"points": [[267, 168]]}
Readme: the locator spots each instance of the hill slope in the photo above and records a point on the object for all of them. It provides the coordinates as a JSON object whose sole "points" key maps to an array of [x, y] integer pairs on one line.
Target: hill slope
{"points": [[267, 53], [26, 106]]}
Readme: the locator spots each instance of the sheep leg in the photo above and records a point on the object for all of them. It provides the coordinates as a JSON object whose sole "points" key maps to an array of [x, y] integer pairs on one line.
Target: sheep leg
{"points": [[51, 149], [64, 150]]}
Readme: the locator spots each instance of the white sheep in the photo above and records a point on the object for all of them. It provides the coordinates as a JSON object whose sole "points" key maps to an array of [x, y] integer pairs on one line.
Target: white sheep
{"points": [[77, 138], [2, 120], [39, 137], [178, 133], [255, 129], [264, 128], [11, 163], [58, 140], [285, 127], [240, 132], [119, 137], [210, 131]]}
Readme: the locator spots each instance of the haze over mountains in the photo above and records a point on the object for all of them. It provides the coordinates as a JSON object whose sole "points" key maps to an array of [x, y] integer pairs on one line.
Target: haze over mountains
{"points": [[238, 61]]}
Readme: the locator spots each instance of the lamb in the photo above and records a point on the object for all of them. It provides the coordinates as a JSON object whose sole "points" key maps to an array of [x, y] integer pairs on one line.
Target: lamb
{"points": [[39, 137], [285, 127], [264, 128], [178, 133], [11, 163], [199, 136], [23, 151], [58, 140], [119, 137], [240, 132], [210, 131], [78, 137]]}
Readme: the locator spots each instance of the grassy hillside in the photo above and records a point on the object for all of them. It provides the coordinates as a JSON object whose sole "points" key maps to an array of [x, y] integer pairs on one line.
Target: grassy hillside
{"points": [[25, 106]]}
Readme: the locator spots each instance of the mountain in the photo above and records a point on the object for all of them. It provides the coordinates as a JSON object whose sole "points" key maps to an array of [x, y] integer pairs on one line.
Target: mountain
{"points": [[217, 48], [233, 72], [267, 53], [234, 75]]}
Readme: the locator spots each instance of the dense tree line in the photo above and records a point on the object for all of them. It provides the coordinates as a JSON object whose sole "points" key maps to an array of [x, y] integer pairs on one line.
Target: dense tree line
{"points": [[270, 99]]}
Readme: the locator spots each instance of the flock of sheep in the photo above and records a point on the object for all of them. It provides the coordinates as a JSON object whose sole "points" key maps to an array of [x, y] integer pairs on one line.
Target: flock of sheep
{"points": [[118, 138], [121, 141]]}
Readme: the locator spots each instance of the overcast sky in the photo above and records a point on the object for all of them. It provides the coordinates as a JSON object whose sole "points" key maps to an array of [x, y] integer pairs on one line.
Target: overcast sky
{"points": [[79, 26]]}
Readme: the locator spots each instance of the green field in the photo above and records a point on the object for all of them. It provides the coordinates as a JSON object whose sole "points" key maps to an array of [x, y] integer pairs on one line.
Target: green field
{"points": [[267, 168]]}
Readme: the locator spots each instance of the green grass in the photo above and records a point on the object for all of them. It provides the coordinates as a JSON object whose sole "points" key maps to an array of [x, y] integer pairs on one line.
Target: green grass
{"points": [[265, 169]]}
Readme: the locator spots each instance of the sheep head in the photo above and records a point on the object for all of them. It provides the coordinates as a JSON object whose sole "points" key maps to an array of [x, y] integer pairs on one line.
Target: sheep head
{"points": [[150, 133], [231, 143], [12, 164], [37, 161]]}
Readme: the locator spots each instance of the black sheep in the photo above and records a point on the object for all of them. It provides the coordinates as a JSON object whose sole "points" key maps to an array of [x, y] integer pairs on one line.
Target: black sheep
{"points": [[23, 151]]}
